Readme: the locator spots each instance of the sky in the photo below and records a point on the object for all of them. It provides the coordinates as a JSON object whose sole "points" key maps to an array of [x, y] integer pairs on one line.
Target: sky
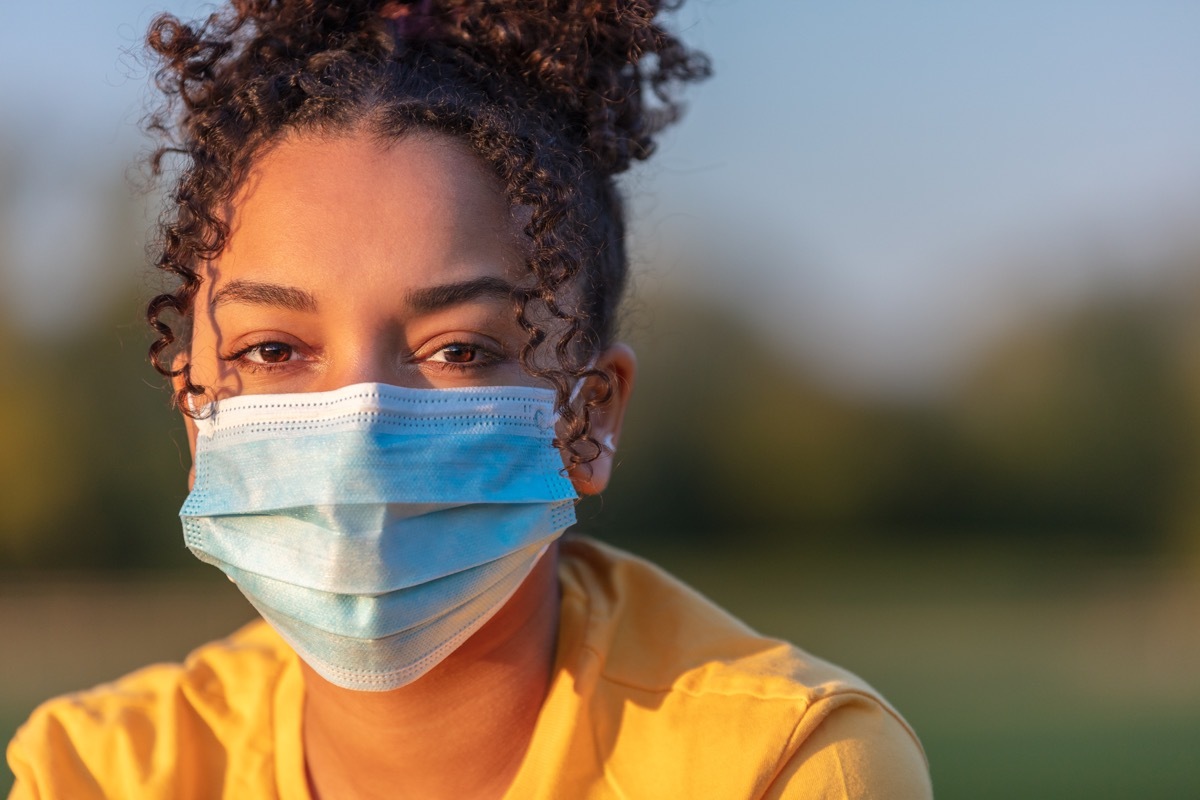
{"points": [[880, 185]]}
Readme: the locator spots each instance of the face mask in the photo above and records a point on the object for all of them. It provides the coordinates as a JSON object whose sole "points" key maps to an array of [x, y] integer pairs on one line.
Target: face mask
{"points": [[376, 527]]}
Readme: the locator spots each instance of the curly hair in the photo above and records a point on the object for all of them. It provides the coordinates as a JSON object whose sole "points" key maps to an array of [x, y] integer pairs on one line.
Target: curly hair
{"points": [[556, 96]]}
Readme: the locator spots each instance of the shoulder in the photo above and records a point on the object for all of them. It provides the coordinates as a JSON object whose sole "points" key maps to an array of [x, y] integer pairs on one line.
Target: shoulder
{"points": [[701, 691], [165, 730], [852, 748]]}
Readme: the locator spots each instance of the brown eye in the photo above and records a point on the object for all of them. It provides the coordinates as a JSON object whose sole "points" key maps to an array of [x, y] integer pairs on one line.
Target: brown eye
{"points": [[464, 356], [457, 354], [270, 353]]}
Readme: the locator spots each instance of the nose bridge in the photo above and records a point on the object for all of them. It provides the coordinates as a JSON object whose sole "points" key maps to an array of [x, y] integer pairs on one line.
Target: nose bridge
{"points": [[369, 351], [366, 367]]}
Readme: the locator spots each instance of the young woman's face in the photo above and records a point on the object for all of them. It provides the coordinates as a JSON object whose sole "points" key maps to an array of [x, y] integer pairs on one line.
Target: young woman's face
{"points": [[351, 260]]}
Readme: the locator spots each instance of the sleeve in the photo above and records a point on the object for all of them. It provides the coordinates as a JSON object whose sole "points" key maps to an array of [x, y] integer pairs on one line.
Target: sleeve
{"points": [[46, 764], [21, 791], [852, 747], [25, 787]]}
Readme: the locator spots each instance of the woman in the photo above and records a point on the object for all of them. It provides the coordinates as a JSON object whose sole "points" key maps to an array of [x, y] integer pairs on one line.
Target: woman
{"points": [[398, 252]]}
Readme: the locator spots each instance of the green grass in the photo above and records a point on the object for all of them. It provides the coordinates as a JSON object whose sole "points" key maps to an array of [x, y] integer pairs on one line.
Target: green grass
{"points": [[1081, 754], [1024, 678]]}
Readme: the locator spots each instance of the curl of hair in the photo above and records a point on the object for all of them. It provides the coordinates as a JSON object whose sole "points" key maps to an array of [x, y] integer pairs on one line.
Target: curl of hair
{"points": [[555, 96]]}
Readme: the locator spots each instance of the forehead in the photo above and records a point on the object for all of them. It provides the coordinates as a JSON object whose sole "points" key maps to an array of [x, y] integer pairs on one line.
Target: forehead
{"points": [[353, 207]]}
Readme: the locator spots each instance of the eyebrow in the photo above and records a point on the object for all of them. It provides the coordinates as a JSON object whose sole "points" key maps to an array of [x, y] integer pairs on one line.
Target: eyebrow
{"points": [[265, 294], [436, 298], [423, 301]]}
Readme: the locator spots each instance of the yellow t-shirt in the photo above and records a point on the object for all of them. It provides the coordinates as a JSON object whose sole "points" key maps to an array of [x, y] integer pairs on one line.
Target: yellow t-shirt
{"points": [[656, 694]]}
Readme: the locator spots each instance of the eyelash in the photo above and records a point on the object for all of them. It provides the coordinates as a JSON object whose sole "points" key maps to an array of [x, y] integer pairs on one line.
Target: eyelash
{"points": [[484, 358], [240, 357]]}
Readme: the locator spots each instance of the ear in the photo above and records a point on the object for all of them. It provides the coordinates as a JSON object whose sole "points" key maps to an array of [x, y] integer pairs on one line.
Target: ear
{"points": [[621, 364], [177, 384]]}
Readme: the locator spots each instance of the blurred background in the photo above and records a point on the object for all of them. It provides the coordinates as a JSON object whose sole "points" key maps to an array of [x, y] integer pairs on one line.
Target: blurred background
{"points": [[917, 301]]}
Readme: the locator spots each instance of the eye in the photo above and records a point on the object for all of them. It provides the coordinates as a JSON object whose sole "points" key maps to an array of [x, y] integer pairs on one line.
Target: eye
{"points": [[459, 353], [463, 356], [268, 353]]}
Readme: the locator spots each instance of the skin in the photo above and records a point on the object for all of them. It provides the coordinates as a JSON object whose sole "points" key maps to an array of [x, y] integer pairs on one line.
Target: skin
{"points": [[335, 246]]}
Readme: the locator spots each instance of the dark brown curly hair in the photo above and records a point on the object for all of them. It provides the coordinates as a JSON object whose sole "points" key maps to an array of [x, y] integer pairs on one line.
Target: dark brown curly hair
{"points": [[556, 96]]}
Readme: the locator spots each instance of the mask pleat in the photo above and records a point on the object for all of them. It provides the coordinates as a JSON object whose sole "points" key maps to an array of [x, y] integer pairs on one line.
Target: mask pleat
{"points": [[315, 551], [377, 527], [364, 616]]}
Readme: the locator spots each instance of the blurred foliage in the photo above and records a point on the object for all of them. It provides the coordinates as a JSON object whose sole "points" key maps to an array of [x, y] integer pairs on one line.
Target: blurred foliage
{"points": [[1078, 429], [1081, 428], [91, 468], [92, 460]]}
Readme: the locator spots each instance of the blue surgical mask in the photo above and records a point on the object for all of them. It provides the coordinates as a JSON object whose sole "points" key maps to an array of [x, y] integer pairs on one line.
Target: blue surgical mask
{"points": [[376, 527]]}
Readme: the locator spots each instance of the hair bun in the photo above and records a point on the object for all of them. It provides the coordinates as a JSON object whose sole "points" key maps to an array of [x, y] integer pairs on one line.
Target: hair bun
{"points": [[607, 70], [614, 69]]}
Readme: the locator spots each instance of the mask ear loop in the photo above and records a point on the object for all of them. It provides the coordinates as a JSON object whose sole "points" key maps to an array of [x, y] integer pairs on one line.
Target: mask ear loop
{"points": [[607, 442], [191, 403], [578, 387]]}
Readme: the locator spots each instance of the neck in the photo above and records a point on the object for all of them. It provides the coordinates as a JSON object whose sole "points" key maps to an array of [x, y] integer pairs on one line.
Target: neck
{"points": [[460, 730]]}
